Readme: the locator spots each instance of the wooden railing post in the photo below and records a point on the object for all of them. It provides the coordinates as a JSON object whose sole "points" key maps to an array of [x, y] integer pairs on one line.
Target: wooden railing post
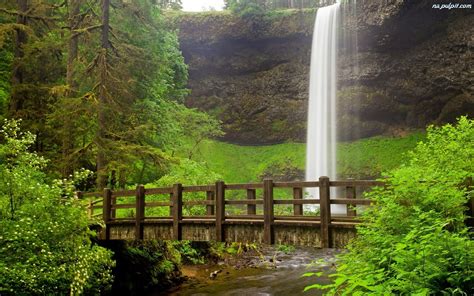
{"points": [[251, 209], [470, 202], [220, 210], [298, 194], [140, 212], [177, 210], [268, 216], [325, 211], [90, 209], [351, 194], [106, 210], [107, 205], [210, 208], [171, 207], [113, 201]]}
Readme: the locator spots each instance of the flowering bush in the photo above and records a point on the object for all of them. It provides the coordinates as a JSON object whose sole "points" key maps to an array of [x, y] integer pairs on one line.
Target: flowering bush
{"points": [[45, 246]]}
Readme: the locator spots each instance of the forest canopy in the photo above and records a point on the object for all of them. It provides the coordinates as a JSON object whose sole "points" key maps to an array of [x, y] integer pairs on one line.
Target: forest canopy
{"points": [[101, 85]]}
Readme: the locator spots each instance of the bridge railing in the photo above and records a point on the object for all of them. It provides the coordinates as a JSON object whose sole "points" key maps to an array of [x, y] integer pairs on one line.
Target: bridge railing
{"points": [[216, 202]]}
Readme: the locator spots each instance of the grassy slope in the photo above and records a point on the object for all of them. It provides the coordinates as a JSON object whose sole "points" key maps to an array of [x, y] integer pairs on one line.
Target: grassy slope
{"points": [[360, 159]]}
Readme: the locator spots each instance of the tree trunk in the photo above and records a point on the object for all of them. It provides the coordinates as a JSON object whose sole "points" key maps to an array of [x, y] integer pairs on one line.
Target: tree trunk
{"points": [[101, 132], [16, 102], [68, 136], [74, 10]]}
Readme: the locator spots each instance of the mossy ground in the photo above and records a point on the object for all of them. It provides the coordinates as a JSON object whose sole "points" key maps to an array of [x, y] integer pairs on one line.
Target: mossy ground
{"points": [[366, 158]]}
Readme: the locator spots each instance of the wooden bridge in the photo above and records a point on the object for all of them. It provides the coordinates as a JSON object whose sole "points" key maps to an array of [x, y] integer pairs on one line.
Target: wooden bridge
{"points": [[257, 221]]}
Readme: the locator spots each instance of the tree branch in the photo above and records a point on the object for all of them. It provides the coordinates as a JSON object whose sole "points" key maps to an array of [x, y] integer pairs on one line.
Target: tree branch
{"points": [[28, 16], [85, 30]]}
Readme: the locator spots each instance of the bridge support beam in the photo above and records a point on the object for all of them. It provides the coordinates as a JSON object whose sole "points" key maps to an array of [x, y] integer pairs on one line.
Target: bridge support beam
{"points": [[325, 211], [140, 212], [106, 211], [268, 215], [177, 210], [220, 210]]}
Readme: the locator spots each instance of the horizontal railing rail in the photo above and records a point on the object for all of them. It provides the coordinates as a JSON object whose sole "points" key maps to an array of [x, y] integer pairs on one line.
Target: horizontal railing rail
{"points": [[215, 203]]}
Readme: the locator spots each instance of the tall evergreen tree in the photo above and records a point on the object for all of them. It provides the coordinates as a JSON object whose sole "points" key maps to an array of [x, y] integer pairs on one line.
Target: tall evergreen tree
{"points": [[102, 86], [74, 7]]}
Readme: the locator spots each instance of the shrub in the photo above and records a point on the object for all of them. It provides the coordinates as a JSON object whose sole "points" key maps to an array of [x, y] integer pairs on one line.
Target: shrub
{"points": [[144, 266], [45, 246], [187, 172], [414, 241], [246, 8]]}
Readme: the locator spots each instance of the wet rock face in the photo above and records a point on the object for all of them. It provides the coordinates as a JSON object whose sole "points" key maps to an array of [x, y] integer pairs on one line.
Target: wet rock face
{"points": [[251, 73], [413, 67]]}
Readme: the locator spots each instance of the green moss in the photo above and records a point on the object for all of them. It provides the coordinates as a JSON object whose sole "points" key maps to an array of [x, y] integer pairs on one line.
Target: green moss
{"points": [[245, 163], [366, 158]]}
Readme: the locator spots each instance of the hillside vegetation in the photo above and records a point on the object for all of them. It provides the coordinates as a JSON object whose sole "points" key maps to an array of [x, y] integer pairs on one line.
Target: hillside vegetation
{"points": [[366, 158]]}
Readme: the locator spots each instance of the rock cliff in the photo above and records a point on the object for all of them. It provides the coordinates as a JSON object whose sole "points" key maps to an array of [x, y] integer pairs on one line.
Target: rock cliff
{"points": [[402, 64]]}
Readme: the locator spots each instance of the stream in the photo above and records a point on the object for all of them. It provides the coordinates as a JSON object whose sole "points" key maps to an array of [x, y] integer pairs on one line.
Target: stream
{"points": [[270, 272]]}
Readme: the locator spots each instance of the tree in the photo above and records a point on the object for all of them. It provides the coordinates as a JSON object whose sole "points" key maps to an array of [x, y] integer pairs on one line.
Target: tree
{"points": [[252, 7], [36, 66], [103, 96], [74, 8], [100, 86], [113, 118], [20, 40], [169, 4]]}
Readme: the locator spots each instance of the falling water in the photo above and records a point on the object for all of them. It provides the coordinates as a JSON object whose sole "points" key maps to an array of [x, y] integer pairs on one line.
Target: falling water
{"points": [[321, 138]]}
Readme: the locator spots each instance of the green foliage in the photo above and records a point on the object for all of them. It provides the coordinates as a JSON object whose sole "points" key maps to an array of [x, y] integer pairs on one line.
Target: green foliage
{"points": [[284, 170], [246, 8], [145, 265], [221, 250], [141, 90], [366, 158], [138, 86], [6, 58], [246, 162], [45, 246], [287, 249], [189, 254], [169, 4], [183, 129], [186, 172], [414, 241]]}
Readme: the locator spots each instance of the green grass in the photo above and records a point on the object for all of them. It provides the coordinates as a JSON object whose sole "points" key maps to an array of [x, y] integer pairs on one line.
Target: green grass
{"points": [[237, 163], [374, 156], [363, 159], [367, 158]]}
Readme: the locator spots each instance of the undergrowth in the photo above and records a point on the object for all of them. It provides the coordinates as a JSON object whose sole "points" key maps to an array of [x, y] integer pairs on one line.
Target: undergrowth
{"points": [[415, 240]]}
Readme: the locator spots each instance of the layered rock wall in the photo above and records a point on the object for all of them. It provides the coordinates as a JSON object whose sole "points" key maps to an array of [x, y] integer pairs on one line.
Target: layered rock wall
{"points": [[402, 65]]}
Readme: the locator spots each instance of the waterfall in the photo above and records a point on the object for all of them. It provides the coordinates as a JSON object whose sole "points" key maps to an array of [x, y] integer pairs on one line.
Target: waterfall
{"points": [[321, 137]]}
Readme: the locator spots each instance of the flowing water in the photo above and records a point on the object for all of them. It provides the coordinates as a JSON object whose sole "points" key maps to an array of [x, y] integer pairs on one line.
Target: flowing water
{"points": [[321, 137], [275, 273]]}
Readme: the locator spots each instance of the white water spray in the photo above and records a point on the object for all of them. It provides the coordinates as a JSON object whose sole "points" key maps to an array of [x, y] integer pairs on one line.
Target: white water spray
{"points": [[321, 138]]}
